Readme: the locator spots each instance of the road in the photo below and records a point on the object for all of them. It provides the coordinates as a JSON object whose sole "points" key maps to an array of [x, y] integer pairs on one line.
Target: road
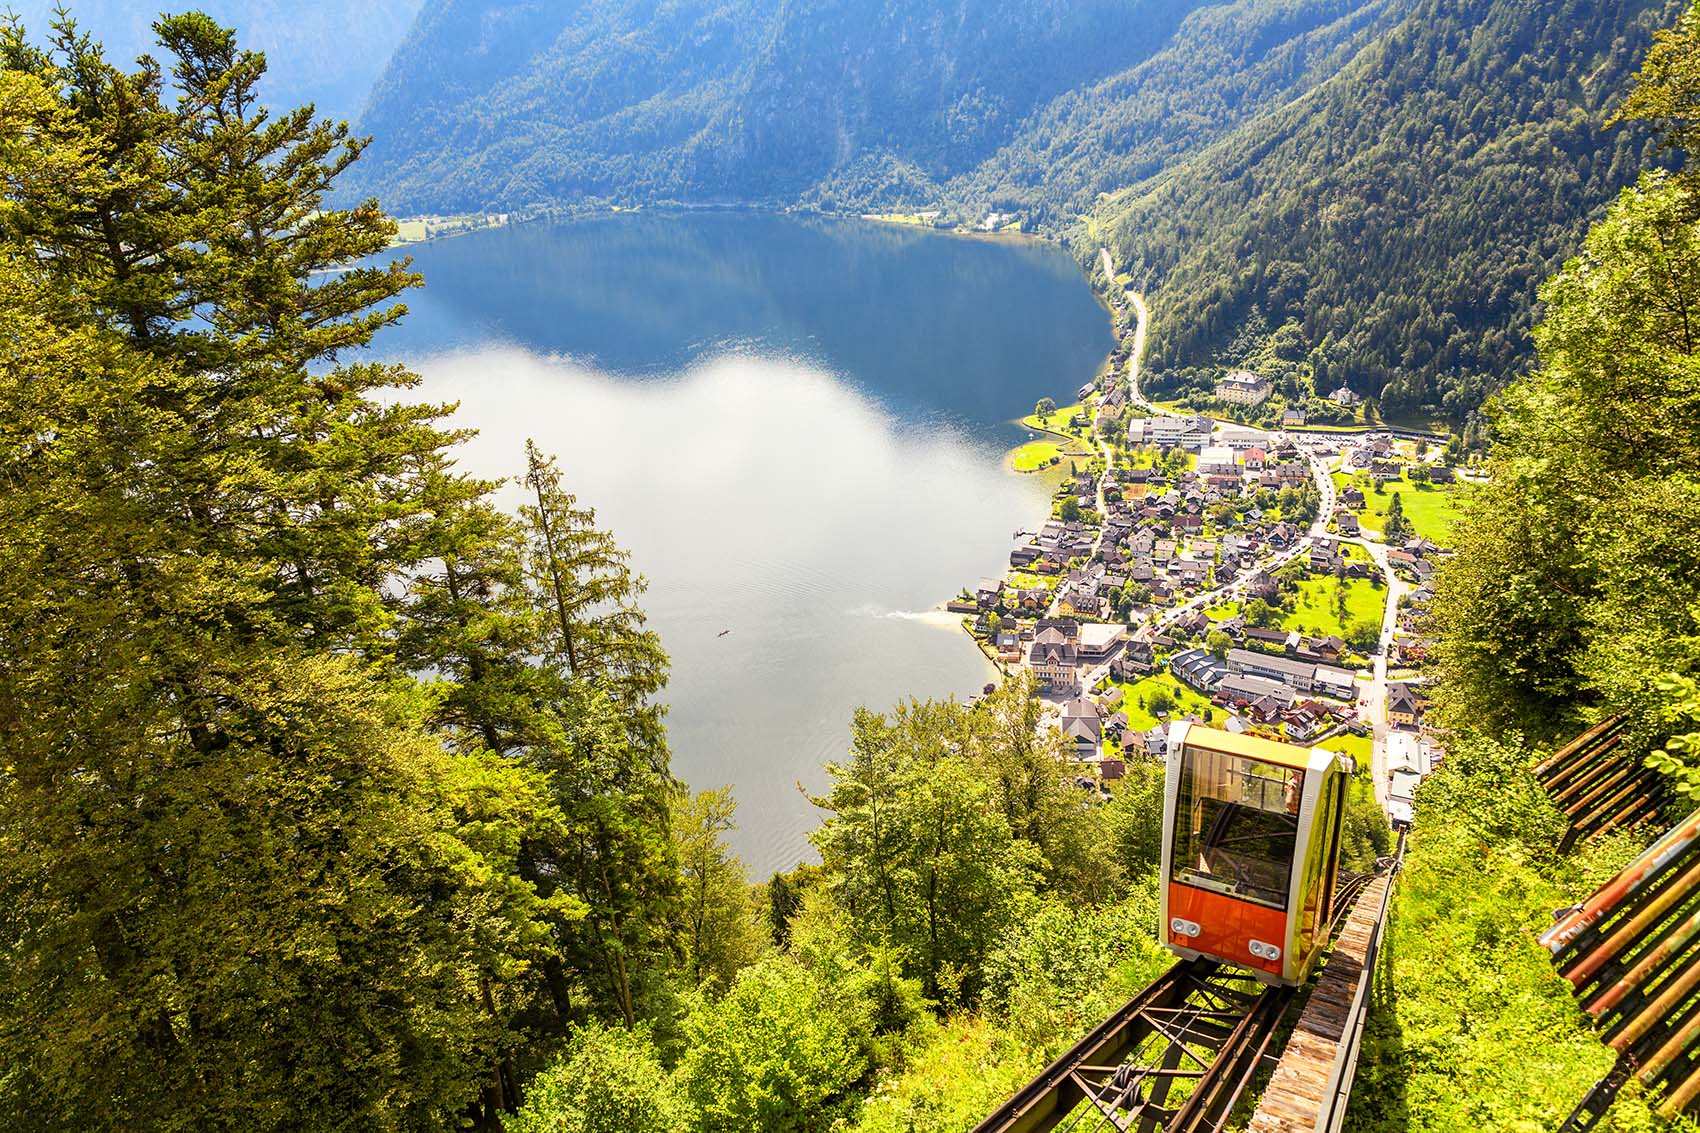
{"points": [[1373, 702]]}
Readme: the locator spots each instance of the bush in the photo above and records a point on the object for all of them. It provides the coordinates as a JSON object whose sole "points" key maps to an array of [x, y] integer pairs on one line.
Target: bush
{"points": [[608, 1081]]}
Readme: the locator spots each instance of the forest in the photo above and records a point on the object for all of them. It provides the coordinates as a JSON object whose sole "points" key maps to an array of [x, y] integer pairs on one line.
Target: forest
{"points": [[1389, 232]]}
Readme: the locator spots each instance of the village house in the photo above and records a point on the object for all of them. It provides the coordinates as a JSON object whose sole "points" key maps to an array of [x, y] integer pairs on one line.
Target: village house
{"points": [[1242, 387], [1346, 521], [1329, 649], [1136, 660], [1271, 638], [1199, 669], [1306, 722], [1385, 471], [1292, 417], [1188, 572], [1082, 724], [989, 593], [1404, 708], [1345, 396]]}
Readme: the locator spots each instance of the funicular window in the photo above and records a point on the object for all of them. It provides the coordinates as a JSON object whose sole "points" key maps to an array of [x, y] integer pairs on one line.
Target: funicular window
{"points": [[1236, 825]]}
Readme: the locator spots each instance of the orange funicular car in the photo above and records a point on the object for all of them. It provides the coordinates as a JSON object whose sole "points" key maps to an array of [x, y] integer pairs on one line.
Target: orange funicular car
{"points": [[1251, 843]]}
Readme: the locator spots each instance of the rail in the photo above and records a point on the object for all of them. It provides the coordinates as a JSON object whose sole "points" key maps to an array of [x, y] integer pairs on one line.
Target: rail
{"points": [[1312, 1085], [1175, 1058]]}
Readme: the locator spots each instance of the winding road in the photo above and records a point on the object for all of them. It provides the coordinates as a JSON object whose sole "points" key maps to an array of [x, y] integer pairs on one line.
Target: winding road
{"points": [[1375, 698]]}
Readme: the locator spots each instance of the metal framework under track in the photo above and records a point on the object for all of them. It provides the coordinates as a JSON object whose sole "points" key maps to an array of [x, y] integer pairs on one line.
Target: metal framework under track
{"points": [[1175, 1058]]}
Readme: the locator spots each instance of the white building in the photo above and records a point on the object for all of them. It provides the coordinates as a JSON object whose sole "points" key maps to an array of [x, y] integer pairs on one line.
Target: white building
{"points": [[1218, 460], [1240, 439]]}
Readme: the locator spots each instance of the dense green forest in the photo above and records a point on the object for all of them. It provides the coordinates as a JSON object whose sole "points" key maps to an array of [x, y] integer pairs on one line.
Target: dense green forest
{"points": [[1399, 218]]}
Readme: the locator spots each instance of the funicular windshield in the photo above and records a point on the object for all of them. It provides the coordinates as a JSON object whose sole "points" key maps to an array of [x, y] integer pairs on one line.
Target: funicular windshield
{"points": [[1236, 824]]}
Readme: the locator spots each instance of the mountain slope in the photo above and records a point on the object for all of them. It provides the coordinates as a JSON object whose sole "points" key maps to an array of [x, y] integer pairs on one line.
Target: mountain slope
{"points": [[850, 103], [328, 52], [1225, 64], [1402, 215]]}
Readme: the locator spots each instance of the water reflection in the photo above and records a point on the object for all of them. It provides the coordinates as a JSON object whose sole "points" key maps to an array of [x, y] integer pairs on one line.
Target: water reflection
{"points": [[975, 330], [775, 500]]}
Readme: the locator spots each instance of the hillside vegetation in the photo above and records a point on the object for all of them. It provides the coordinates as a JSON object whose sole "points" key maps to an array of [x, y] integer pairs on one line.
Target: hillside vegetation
{"points": [[1389, 230], [1573, 596]]}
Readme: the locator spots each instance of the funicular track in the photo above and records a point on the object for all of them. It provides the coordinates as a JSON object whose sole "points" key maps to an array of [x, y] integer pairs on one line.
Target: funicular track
{"points": [[1175, 1058]]}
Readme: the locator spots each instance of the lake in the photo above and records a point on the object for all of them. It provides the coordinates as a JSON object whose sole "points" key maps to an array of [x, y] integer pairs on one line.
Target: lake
{"points": [[797, 425]]}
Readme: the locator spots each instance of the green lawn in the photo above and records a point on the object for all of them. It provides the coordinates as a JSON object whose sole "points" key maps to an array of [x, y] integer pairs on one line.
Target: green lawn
{"points": [[1035, 455], [1315, 612], [1223, 612], [1358, 747], [1430, 510], [1058, 420], [1139, 714]]}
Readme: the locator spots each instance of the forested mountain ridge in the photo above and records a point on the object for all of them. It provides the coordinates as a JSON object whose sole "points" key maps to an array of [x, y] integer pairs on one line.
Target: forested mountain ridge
{"points": [[329, 52], [1400, 216], [491, 104], [1225, 64]]}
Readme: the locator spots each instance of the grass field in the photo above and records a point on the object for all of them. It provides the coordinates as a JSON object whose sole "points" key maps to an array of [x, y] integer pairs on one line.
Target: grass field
{"points": [[1315, 610], [1035, 455], [1058, 420], [1358, 747], [1430, 510], [1223, 612], [1136, 698]]}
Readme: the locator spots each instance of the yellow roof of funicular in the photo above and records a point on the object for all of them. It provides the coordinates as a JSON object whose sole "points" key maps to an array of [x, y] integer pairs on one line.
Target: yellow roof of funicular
{"points": [[1251, 747]]}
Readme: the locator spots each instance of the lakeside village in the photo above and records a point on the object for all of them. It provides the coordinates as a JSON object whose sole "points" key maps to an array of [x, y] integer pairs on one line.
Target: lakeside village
{"points": [[1270, 582]]}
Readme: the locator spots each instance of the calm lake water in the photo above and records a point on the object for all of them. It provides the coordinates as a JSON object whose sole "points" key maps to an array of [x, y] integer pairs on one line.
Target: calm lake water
{"points": [[797, 426]]}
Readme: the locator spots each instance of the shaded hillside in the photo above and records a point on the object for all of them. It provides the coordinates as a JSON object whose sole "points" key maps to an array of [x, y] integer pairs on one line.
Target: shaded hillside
{"points": [[1402, 215], [492, 104], [1225, 64], [329, 52]]}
